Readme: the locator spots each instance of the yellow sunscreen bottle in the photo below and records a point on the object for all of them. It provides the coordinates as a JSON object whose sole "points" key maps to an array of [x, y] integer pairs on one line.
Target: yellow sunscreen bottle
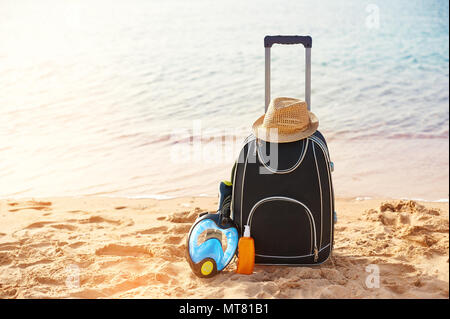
{"points": [[246, 253]]}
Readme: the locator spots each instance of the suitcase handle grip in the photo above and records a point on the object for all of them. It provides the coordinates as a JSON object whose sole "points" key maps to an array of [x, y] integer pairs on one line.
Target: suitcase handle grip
{"points": [[269, 40]]}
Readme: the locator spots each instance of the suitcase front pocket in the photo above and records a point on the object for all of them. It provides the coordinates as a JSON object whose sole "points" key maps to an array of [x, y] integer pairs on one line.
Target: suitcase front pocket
{"points": [[283, 227]]}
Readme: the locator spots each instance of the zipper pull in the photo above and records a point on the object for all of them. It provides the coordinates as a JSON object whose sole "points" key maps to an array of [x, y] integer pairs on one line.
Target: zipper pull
{"points": [[316, 254]]}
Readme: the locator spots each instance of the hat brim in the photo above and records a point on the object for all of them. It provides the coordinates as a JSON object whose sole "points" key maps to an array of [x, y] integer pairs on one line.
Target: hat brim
{"points": [[264, 133]]}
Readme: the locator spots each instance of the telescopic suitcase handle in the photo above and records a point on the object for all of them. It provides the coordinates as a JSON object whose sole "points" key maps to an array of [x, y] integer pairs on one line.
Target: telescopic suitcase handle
{"points": [[270, 40]]}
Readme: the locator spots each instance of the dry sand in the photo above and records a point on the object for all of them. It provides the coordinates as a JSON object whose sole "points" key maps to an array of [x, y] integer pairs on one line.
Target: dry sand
{"points": [[134, 248]]}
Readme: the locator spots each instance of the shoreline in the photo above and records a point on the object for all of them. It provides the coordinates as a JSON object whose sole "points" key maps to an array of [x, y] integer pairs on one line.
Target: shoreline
{"points": [[134, 248], [363, 168], [159, 197]]}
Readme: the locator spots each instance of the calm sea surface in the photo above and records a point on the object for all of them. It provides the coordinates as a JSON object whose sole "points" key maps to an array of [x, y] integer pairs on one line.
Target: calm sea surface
{"points": [[128, 98]]}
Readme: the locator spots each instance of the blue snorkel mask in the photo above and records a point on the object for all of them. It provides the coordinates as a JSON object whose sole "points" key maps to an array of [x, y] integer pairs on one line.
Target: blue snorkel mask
{"points": [[213, 239]]}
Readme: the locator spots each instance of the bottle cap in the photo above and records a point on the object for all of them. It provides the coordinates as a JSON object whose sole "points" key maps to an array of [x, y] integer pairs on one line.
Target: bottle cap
{"points": [[246, 231]]}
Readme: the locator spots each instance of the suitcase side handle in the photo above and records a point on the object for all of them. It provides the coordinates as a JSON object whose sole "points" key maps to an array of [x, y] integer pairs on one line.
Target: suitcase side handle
{"points": [[270, 40], [288, 39]]}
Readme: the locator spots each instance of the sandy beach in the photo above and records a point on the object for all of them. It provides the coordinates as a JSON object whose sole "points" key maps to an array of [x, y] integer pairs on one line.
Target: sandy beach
{"points": [[120, 119], [99, 247]]}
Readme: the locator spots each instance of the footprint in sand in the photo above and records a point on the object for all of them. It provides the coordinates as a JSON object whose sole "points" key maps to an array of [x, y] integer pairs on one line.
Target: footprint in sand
{"points": [[5, 259], [36, 262], [10, 246], [31, 205], [38, 225], [396, 269], [99, 219], [180, 229], [173, 239], [172, 252], [184, 217], [64, 226], [77, 212], [40, 203], [122, 250], [152, 231], [77, 244]]}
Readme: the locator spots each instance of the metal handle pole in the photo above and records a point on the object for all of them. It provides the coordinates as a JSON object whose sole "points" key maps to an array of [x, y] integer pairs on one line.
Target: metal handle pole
{"points": [[308, 77], [267, 78], [307, 43]]}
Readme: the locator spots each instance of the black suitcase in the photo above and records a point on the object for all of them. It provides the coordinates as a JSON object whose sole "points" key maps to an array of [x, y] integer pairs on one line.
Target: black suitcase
{"points": [[290, 207]]}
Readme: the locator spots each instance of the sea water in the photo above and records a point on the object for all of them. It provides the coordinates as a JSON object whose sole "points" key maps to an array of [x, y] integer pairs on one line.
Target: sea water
{"points": [[153, 98]]}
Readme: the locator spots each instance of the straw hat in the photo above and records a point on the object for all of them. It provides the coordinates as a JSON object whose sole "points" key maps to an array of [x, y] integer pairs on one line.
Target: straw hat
{"points": [[286, 120]]}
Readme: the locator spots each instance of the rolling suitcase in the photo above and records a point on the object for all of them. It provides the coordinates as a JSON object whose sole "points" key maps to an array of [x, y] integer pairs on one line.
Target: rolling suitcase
{"points": [[288, 207]]}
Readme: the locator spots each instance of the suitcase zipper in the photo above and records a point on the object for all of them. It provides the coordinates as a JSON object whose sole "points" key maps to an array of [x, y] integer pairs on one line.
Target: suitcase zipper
{"points": [[316, 254], [285, 171], [314, 248], [324, 148]]}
